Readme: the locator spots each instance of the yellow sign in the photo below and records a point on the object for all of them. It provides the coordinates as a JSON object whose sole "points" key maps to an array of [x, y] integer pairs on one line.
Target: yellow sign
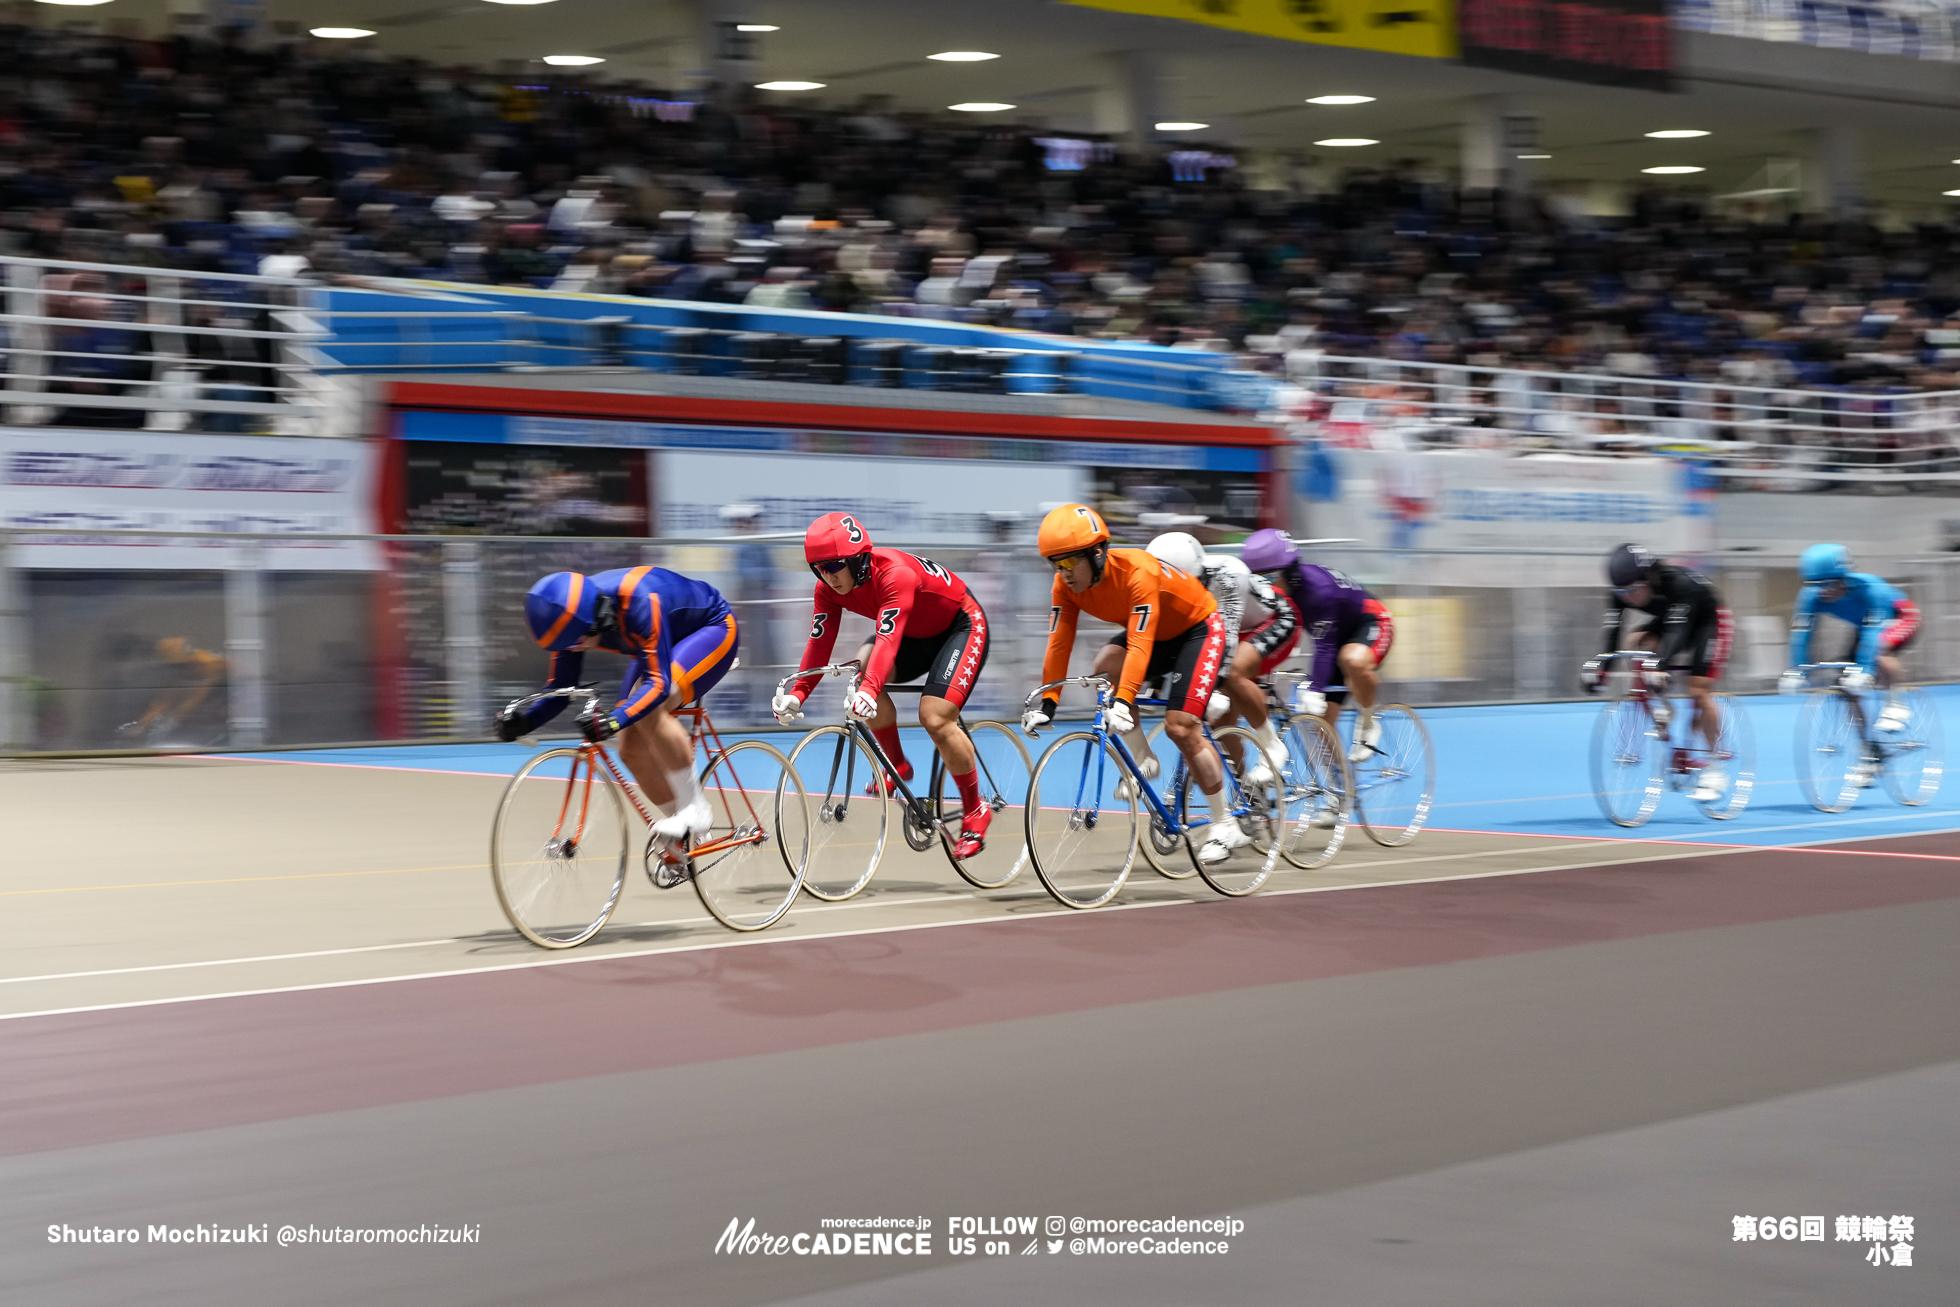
{"points": [[1417, 27]]}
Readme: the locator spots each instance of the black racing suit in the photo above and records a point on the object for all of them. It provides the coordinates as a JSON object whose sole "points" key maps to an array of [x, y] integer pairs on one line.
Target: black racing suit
{"points": [[1694, 627]]}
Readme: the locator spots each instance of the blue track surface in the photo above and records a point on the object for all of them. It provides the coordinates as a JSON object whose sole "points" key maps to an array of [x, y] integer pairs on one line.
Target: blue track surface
{"points": [[1519, 769]]}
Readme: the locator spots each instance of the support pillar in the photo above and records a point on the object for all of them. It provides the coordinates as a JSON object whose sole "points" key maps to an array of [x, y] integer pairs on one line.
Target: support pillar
{"points": [[247, 629], [462, 637], [1837, 172], [1134, 97]]}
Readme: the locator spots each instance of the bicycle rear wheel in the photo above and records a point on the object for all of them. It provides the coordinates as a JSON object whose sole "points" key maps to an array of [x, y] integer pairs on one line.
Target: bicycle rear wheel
{"points": [[748, 865], [1394, 785], [847, 837], [1735, 754], [1258, 810], [1082, 838], [558, 848], [1004, 767], [1629, 762], [1831, 750], [1316, 793], [1915, 757]]}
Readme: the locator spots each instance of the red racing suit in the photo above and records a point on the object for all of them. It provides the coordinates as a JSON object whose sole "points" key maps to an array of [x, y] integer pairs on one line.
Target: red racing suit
{"points": [[904, 597]]}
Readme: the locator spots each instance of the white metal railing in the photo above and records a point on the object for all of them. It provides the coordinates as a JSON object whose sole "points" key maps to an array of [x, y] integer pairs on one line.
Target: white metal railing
{"points": [[1761, 437], [164, 349]]}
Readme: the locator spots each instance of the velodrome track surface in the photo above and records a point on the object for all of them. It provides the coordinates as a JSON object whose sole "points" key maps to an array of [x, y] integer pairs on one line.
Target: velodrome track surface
{"points": [[1525, 1060]]}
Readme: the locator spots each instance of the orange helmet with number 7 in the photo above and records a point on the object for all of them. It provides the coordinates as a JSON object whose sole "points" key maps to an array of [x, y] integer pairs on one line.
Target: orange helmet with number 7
{"points": [[1069, 530], [838, 537]]}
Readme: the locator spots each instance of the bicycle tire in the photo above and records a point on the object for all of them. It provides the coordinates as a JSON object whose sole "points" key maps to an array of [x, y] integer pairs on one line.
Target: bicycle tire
{"points": [[1830, 746], [1082, 769], [1259, 814], [1918, 751], [1317, 780], [1004, 772], [748, 866], [851, 828], [1736, 751], [1627, 754], [559, 891], [1403, 759]]}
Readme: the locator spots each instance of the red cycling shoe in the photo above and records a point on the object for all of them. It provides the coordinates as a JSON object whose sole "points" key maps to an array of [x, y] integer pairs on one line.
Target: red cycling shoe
{"points": [[882, 785], [973, 832]]}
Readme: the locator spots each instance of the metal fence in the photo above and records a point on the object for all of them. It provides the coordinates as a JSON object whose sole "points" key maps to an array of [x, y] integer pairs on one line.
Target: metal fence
{"points": [[1754, 437], [421, 637]]}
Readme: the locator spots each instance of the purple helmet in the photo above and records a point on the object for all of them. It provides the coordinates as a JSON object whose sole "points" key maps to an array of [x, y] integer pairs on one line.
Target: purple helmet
{"points": [[1269, 551]]}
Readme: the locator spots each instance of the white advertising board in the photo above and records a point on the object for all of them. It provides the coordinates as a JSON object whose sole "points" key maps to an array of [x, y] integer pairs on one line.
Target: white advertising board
{"points": [[80, 483], [1487, 500], [943, 501]]}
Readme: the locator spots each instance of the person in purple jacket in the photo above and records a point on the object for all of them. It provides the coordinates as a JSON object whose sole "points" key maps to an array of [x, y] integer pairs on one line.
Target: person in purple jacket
{"points": [[1351, 632]]}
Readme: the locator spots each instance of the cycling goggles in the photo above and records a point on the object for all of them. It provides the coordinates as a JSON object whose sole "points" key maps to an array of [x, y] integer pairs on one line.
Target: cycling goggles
{"points": [[1067, 562], [832, 566]]}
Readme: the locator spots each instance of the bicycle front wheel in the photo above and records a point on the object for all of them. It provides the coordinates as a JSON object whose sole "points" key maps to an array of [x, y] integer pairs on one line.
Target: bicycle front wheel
{"points": [[1003, 768], [1831, 763], [1082, 837], [1395, 784], [1629, 762], [1915, 757], [847, 839], [559, 847], [748, 864], [1735, 756], [1315, 794], [1257, 808]]}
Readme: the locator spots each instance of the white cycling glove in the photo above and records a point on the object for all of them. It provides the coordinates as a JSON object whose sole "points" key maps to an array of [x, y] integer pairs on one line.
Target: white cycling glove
{"points": [[787, 707], [1122, 718], [1311, 703], [1035, 718], [862, 706], [1790, 682]]}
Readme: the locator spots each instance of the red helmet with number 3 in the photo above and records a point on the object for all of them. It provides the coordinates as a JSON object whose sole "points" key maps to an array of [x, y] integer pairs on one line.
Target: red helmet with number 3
{"points": [[834, 536]]}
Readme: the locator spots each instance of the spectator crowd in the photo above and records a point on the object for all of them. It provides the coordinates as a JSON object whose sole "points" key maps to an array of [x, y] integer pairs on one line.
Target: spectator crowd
{"points": [[299, 157]]}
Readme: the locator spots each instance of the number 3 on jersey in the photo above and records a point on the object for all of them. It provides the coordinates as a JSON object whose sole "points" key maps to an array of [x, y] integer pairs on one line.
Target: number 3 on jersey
{"points": [[887, 621], [817, 623]]}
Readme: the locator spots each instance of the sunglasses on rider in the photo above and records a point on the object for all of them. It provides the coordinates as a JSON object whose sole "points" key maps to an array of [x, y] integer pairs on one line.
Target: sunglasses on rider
{"points": [[832, 566], [1067, 562]]}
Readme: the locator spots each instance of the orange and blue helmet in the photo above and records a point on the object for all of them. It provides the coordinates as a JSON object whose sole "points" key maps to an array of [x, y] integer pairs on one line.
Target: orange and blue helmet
{"points": [[561, 609]]}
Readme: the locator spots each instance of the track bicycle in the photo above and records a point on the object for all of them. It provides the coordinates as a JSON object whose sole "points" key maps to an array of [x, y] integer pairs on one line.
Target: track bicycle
{"points": [[853, 784], [1635, 756], [561, 840], [1315, 785], [1084, 826], [1840, 751], [1395, 779]]}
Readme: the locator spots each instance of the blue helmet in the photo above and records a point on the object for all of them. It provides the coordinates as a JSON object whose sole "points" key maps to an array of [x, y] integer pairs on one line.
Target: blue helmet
{"points": [[561, 609], [1821, 563]]}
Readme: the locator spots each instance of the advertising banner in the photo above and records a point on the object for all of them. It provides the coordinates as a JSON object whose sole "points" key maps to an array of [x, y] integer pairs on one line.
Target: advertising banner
{"points": [[1442, 501], [1413, 27], [947, 501], [91, 481]]}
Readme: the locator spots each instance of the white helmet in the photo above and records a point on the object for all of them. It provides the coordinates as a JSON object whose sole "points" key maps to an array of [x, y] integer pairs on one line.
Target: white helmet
{"points": [[1181, 550]]}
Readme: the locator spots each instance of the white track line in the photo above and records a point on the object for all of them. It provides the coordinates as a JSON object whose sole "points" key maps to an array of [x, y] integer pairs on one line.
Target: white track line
{"points": [[770, 937]]}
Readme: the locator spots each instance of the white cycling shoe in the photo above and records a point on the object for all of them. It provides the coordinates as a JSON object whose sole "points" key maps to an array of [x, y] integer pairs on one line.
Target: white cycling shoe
{"points": [[1149, 766], [1267, 767], [1325, 817], [1862, 775], [1893, 718], [1366, 737], [694, 819], [1225, 837], [1711, 786]]}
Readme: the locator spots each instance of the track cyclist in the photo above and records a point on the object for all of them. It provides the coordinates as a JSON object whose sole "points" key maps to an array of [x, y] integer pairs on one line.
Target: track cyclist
{"points": [[1261, 630], [1886, 620], [1694, 631], [926, 623], [681, 636], [1352, 631], [1170, 628]]}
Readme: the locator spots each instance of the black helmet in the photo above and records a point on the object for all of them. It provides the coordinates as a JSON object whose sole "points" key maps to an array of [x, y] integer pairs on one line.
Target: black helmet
{"points": [[1629, 565]]}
